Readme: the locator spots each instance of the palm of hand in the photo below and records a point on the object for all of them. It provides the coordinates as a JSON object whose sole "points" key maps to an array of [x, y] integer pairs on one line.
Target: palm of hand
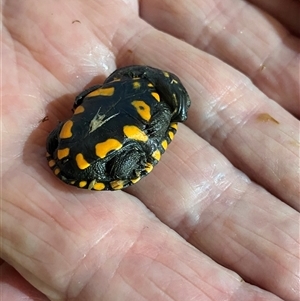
{"points": [[82, 245]]}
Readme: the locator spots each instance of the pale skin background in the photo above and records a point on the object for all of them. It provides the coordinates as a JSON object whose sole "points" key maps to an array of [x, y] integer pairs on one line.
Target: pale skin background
{"points": [[218, 218]]}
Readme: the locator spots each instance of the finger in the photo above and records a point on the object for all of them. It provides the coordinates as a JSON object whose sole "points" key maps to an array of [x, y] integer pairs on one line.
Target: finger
{"points": [[103, 246], [286, 12], [14, 287], [198, 193], [189, 167], [252, 131], [262, 49], [64, 61]]}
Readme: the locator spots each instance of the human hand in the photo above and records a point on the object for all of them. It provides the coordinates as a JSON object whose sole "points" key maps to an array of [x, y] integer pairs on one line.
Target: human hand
{"points": [[223, 202]]}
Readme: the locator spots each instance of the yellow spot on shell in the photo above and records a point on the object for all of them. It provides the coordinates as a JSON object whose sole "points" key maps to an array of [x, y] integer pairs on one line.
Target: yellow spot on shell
{"points": [[72, 182], [56, 171], [82, 184], [136, 85], [133, 132], [98, 186], [265, 117], [166, 74], [117, 185], [51, 163], [81, 162], [102, 92], [66, 131], [164, 144], [62, 153], [143, 109], [150, 85], [156, 155], [171, 135], [103, 148], [79, 110], [156, 96]]}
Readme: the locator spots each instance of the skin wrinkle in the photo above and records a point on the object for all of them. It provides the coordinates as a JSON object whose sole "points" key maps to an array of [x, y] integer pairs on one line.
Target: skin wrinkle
{"points": [[194, 228], [254, 239], [156, 259], [287, 249], [87, 257], [170, 284], [44, 285], [21, 269], [233, 122], [185, 162], [39, 56], [262, 42], [194, 270], [3, 242], [267, 58], [258, 72], [258, 155], [49, 245], [182, 276], [216, 19], [82, 287], [133, 288], [31, 52], [57, 219], [131, 249], [40, 238], [164, 289], [173, 185], [268, 167], [235, 259], [281, 131], [132, 42]]}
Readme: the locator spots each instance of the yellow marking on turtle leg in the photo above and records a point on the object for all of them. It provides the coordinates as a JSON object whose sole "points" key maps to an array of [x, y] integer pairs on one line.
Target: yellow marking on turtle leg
{"points": [[135, 180], [156, 155], [174, 125], [117, 184], [156, 96], [148, 167], [164, 144], [171, 135]]}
